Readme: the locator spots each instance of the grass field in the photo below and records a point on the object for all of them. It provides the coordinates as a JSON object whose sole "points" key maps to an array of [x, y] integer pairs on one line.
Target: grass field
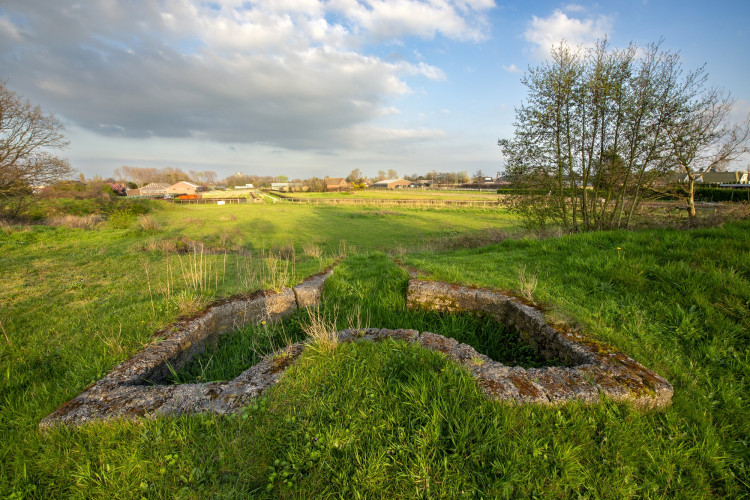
{"points": [[374, 420], [401, 194], [230, 193]]}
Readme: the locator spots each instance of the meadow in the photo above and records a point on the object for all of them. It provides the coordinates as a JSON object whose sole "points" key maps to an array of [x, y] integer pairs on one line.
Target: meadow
{"points": [[401, 194], [386, 419]]}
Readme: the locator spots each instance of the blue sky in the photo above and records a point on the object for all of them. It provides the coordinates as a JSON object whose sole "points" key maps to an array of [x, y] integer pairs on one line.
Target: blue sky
{"points": [[311, 87]]}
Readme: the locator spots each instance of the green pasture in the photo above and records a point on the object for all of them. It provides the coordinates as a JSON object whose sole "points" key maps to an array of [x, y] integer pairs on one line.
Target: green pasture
{"points": [[401, 194], [383, 420]]}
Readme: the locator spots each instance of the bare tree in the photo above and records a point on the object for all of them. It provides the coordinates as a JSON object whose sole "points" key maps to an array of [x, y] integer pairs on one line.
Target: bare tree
{"points": [[701, 137], [392, 174], [209, 177], [355, 176], [27, 137]]}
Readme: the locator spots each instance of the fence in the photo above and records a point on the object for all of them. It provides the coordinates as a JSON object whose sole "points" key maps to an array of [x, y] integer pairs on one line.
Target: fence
{"points": [[213, 201], [416, 203]]}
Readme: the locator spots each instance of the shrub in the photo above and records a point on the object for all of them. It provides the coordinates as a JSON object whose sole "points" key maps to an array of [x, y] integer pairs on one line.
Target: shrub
{"points": [[120, 218]]}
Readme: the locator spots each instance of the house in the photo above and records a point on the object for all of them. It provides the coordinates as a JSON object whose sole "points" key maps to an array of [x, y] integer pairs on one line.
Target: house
{"points": [[336, 184], [154, 189], [721, 177], [185, 187], [280, 186], [133, 192], [711, 177], [392, 184]]}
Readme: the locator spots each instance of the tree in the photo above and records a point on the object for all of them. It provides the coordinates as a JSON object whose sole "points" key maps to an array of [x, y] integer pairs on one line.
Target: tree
{"points": [[355, 177], [27, 137], [591, 139], [478, 176], [700, 136], [392, 174]]}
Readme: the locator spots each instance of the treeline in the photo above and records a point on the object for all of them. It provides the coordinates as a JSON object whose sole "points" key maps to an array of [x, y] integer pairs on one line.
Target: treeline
{"points": [[140, 176], [461, 177]]}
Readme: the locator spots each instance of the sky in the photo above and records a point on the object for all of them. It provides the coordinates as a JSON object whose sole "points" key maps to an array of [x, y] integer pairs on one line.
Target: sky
{"points": [[308, 88]]}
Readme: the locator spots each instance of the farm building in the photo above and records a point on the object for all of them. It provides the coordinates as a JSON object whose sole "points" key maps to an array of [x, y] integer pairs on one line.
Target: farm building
{"points": [[153, 189], [336, 184], [712, 177], [185, 187], [724, 178], [392, 184]]}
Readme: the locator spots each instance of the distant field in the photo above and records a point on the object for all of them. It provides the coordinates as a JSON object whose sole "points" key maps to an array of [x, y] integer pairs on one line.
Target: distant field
{"points": [[229, 193], [400, 194]]}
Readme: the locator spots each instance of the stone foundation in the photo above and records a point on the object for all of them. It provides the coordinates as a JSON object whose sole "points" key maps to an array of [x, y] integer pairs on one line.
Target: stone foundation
{"points": [[130, 389], [592, 369]]}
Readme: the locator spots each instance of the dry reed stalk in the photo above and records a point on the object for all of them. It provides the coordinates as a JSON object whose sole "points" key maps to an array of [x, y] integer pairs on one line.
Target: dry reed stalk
{"points": [[321, 330], [6, 335], [527, 284], [151, 296]]}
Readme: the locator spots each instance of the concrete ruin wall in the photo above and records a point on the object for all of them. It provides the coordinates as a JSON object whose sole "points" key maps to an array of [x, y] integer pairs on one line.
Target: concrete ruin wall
{"points": [[592, 369], [129, 390]]}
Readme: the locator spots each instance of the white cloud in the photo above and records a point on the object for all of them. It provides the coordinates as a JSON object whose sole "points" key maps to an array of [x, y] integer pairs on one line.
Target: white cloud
{"points": [[574, 7], [381, 19], [10, 31], [292, 73], [545, 32], [512, 69]]}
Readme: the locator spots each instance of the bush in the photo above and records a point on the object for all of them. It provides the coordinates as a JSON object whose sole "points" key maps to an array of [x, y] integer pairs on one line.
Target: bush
{"points": [[120, 218], [716, 194], [512, 191], [706, 194]]}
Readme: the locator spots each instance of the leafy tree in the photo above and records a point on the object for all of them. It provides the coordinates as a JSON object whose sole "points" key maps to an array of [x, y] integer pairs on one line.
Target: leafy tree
{"points": [[392, 174], [27, 137], [592, 137]]}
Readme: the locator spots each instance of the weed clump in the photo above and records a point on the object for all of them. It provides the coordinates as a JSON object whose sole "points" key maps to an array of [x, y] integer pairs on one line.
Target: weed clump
{"points": [[321, 330], [148, 224], [91, 221]]}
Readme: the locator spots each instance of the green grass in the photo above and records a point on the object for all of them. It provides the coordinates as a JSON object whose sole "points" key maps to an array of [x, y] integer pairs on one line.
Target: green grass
{"points": [[368, 291], [400, 194], [380, 419]]}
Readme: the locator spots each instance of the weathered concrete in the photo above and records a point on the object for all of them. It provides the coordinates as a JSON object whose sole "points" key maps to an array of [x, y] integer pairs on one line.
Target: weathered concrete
{"points": [[129, 390], [593, 369]]}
